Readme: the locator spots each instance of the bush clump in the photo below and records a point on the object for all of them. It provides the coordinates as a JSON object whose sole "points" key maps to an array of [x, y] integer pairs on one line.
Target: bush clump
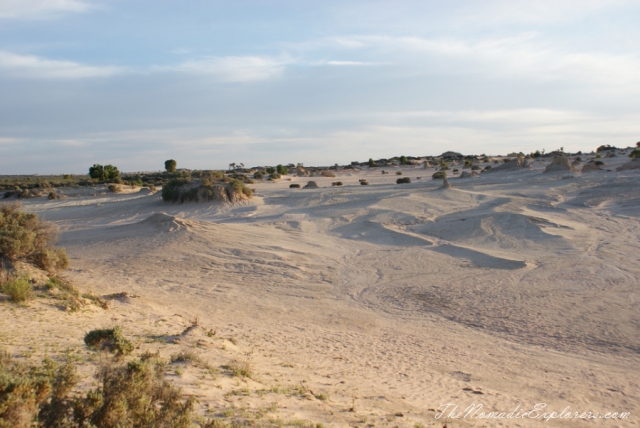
{"points": [[294, 186], [363, 182], [111, 339], [25, 236], [337, 183], [635, 153], [18, 289], [403, 180], [398, 172], [440, 175]]}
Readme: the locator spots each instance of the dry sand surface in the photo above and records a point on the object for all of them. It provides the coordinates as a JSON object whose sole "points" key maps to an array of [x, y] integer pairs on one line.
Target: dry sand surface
{"points": [[372, 305]]}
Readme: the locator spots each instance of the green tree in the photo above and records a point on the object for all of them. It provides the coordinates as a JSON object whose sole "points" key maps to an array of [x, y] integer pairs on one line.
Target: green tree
{"points": [[111, 172], [170, 165], [371, 163], [403, 160], [96, 171], [107, 172], [282, 170]]}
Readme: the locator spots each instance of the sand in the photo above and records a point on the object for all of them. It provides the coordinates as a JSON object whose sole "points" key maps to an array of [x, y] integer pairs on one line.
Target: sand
{"points": [[380, 303]]}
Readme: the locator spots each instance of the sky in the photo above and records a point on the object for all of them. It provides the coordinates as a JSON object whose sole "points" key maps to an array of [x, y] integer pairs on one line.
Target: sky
{"points": [[207, 83]]}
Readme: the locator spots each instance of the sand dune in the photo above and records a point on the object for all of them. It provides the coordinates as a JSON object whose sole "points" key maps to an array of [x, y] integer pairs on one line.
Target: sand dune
{"points": [[511, 289]]}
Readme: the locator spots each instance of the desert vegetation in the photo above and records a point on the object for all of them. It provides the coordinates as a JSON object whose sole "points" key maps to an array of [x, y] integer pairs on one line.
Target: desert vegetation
{"points": [[212, 187]]}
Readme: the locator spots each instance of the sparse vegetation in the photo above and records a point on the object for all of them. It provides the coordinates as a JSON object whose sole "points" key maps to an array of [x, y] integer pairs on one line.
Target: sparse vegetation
{"points": [[337, 183], [440, 175], [363, 182], [635, 153], [398, 172], [294, 186], [403, 180]]}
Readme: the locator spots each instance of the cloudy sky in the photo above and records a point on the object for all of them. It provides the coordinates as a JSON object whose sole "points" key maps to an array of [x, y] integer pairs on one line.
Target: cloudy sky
{"points": [[136, 82]]}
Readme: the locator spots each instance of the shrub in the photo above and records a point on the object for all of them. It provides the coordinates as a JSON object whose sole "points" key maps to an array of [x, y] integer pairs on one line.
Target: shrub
{"points": [[599, 163], [372, 164], [51, 260], [128, 395], [115, 188], [282, 170], [170, 165], [635, 153], [403, 180], [398, 172], [18, 289], [337, 183], [270, 170], [294, 186], [327, 173], [274, 176], [111, 339], [440, 175], [364, 182], [258, 175], [240, 368], [25, 236], [52, 195]]}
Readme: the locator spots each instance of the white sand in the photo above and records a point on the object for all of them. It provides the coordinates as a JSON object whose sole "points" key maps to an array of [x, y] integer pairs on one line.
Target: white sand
{"points": [[511, 289]]}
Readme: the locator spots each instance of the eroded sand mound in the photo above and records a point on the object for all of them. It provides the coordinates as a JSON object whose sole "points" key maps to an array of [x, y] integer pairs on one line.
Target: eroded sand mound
{"points": [[560, 164], [512, 165], [468, 174], [634, 164], [590, 167]]}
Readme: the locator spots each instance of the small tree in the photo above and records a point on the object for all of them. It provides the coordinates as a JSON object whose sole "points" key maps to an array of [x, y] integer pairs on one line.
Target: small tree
{"points": [[371, 163], [96, 171], [107, 172], [282, 170], [170, 165]]}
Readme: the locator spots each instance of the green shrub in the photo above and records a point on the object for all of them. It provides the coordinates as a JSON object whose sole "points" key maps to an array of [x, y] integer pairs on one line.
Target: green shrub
{"points": [[270, 170], [337, 183], [398, 172], [282, 170], [403, 180], [635, 153], [364, 182], [294, 186], [258, 175], [274, 176], [18, 289], [440, 175], [599, 163], [111, 339]]}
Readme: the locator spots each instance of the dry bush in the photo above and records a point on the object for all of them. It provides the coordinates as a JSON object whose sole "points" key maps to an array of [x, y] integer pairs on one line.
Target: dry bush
{"points": [[240, 368], [25, 236], [440, 175], [128, 395]]}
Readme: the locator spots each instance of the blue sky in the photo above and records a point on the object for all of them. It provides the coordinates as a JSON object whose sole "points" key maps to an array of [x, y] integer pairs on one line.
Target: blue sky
{"points": [[133, 83]]}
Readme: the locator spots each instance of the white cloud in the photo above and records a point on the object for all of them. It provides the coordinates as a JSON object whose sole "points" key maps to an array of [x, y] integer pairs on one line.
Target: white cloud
{"points": [[40, 9], [31, 66], [235, 68], [524, 56]]}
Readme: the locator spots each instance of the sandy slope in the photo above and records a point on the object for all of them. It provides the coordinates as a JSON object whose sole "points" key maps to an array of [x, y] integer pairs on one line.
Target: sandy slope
{"points": [[507, 290]]}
